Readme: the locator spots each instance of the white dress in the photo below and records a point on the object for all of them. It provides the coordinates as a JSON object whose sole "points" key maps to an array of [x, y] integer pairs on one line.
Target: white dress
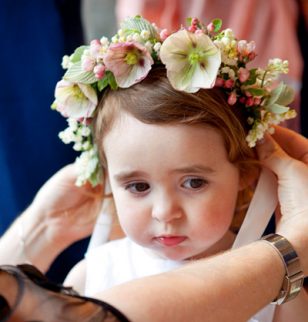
{"points": [[122, 260]]}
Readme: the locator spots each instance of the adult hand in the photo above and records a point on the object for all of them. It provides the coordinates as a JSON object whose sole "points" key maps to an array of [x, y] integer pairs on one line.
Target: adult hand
{"points": [[68, 211], [284, 161]]}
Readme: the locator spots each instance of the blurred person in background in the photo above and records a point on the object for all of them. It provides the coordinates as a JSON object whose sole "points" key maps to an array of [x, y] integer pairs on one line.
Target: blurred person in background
{"points": [[277, 26]]}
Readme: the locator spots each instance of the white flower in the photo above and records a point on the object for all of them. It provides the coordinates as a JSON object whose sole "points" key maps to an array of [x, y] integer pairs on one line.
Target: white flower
{"points": [[104, 41], [145, 34], [75, 100], [229, 71], [157, 46], [66, 62], [137, 38], [87, 166], [192, 60]]}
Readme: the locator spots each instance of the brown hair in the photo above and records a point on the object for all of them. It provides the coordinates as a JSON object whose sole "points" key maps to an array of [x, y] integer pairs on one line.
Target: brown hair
{"points": [[154, 101]]}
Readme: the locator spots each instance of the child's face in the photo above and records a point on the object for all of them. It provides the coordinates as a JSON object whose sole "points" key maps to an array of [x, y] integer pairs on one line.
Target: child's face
{"points": [[175, 190]]}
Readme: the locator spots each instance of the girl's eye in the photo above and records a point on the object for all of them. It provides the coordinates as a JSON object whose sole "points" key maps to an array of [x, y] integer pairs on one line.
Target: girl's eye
{"points": [[194, 183], [137, 187]]}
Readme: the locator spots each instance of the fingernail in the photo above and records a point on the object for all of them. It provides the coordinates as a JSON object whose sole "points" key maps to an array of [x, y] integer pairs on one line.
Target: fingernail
{"points": [[263, 140], [260, 142]]}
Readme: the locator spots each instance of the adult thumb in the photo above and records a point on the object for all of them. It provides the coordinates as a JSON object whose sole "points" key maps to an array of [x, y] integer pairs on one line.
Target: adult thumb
{"points": [[273, 156]]}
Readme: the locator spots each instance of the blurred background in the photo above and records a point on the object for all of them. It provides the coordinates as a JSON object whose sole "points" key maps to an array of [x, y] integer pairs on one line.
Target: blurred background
{"points": [[36, 34]]}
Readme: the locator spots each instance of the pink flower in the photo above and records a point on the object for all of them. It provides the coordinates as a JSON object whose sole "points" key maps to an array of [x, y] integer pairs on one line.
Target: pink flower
{"points": [[130, 62], [232, 99], [243, 74], [95, 47], [75, 100]]}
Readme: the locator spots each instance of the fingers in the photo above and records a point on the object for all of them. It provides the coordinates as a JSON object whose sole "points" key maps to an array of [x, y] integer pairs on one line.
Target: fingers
{"points": [[293, 143], [272, 155]]}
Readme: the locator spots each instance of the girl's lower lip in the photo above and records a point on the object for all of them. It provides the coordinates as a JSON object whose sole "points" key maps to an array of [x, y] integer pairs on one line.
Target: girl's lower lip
{"points": [[170, 241]]}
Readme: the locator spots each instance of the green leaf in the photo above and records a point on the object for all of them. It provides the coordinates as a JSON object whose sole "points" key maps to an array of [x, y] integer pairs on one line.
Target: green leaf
{"points": [[277, 108], [112, 82], [286, 96], [108, 80], [282, 95], [76, 56], [102, 83], [136, 25], [217, 24], [256, 91], [188, 21], [76, 74]]}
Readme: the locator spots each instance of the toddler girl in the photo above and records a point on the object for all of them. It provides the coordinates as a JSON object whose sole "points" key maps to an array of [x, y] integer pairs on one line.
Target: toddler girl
{"points": [[174, 119]]}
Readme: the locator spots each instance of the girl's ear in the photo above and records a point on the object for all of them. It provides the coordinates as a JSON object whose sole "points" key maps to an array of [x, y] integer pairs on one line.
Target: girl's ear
{"points": [[248, 177]]}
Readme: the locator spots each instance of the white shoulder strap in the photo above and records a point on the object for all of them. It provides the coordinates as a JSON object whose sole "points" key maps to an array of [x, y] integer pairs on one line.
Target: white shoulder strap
{"points": [[261, 208], [101, 230]]}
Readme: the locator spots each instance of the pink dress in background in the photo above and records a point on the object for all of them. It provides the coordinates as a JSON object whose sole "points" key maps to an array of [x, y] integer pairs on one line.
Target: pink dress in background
{"points": [[272, 24]]}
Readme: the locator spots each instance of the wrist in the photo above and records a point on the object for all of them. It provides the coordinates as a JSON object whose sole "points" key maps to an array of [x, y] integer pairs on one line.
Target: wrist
{"points": [[294, 277], [38, 245], [299, 243]]}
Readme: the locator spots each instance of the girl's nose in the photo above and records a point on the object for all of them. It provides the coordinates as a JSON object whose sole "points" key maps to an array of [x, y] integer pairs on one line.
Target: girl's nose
{"points": [[166, 208]]}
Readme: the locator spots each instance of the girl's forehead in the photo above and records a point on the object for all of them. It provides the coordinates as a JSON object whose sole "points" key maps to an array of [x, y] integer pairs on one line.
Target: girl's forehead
{"points": [[132, 136], [131, 126]]}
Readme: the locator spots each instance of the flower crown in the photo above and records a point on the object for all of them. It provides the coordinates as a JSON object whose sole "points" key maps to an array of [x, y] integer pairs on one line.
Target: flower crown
{"points": [[198, 56]]}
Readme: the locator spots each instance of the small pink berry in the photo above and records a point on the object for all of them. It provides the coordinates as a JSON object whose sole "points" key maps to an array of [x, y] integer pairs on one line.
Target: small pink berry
{"points": [[252, 56], [249, 101], [194, 21], [192, 28], [243, 74], [257, 101], [95, 42], [164, 34], [210, 27], [99, 71], [229, 83], [219, 82], [242, 100], [232, 99], [87, 63], [95, 47]]}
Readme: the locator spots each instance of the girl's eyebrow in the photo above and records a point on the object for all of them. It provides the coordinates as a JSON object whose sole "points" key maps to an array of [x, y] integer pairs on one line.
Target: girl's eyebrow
{"points": [[125, 175], [196, 168]]}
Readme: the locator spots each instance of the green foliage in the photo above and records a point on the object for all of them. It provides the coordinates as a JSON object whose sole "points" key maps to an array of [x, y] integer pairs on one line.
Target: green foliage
{"points": [[136, 25], [76, 74], [76, 56], [217, 24], [256, 91]]}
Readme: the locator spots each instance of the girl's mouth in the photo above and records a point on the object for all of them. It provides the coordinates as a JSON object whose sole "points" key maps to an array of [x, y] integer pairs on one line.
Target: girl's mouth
{"points": [[170, 241]]}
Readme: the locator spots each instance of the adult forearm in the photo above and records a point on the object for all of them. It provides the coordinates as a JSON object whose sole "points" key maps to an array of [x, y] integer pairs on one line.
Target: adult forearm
{"points": [[27, 241], [228, 287]]}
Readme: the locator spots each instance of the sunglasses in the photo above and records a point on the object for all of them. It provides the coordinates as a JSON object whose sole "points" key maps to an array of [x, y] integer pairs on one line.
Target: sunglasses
{"points": [[27, 295]]}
